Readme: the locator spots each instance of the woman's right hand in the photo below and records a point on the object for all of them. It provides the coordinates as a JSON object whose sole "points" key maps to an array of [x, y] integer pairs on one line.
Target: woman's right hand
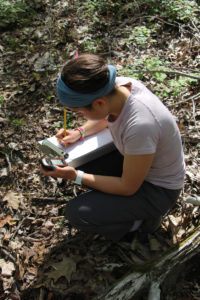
{"points": [[71, 137]]}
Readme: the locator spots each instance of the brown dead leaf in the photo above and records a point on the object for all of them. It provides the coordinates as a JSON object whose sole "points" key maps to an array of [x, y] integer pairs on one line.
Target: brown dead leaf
{"points": [[7, 268], [40, 251], [174, 221], [154, 244], [13, 199], [181, 231], [20, 268], [7, 236], [5, 221], [63, 268], [32, 270], [27, 253], [15, 245], [8, 283], [48, 224], [175, 224]]}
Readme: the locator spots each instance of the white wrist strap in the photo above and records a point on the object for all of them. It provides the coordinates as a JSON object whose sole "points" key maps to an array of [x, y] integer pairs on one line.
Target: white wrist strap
{"points": [[79, 177]]}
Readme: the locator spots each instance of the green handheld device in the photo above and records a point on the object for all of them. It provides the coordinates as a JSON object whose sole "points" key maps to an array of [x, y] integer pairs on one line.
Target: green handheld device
{"points": [[51, 150]]}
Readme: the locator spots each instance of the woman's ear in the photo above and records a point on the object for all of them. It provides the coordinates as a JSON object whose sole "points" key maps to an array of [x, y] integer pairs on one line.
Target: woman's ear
{"points": [[100, 102], [128, 85]]}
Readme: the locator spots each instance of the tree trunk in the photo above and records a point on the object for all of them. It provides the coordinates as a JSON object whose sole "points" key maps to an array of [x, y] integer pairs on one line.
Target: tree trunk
{"points": [[152, 275]]}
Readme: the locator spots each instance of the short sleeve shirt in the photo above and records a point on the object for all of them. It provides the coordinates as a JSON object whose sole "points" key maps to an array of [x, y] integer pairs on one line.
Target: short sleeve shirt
{"points": [[146, 126]]}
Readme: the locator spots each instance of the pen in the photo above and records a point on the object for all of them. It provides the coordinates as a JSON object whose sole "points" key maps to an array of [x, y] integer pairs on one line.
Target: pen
{"points": [[65, 122]]}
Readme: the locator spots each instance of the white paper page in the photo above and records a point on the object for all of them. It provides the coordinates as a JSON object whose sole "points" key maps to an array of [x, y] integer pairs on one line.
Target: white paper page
{"points": [[89, 144]]}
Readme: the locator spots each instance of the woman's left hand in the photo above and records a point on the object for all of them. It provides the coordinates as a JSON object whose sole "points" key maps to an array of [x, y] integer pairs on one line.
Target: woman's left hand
{"points": [[61, 172]]}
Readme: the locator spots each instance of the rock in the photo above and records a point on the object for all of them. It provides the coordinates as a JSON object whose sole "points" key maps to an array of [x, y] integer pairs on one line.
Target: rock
{"points": [[44, 63]]}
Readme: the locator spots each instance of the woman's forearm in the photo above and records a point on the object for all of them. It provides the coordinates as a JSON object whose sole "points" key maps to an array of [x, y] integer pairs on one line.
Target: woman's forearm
{"points": [[92, 127], [107, 184]]}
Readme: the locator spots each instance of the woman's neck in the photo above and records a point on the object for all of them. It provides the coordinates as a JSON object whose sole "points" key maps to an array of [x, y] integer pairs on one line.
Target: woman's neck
{"points": [[117, 101]]}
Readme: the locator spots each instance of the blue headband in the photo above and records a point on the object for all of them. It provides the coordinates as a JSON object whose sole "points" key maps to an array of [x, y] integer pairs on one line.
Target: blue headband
{"points": [[71, 98]]}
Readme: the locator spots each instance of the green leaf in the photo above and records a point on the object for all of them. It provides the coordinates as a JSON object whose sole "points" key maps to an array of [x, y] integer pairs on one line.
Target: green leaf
{"points": [[160, 76]]}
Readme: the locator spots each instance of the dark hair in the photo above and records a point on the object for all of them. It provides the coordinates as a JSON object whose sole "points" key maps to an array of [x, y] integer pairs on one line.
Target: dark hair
{"points": [[85, 74]]}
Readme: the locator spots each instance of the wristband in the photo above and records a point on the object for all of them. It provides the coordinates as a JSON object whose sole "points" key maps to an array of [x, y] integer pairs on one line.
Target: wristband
{"points": [[82, 132], [79, 177]]}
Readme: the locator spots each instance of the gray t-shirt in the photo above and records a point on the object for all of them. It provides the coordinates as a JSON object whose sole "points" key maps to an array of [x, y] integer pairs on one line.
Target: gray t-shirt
{"points": [[146, 126]]}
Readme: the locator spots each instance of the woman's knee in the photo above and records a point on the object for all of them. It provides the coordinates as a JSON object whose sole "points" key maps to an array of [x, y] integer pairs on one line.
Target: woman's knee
{"points": [[76, 212]]}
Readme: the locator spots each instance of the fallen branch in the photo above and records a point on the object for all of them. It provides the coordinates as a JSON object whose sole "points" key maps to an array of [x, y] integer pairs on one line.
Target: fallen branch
{"points": [[155, 273], [43, 200], [7, 254], [192, 98], [9, 163], [195, 200], [167, 72]]}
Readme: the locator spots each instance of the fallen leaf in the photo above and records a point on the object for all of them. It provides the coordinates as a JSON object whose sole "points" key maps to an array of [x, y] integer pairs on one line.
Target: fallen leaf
{"points": [[174, 221], [48, 224], [27, 253], [180, 234], [5, 221], [174, 224], [15, 245], [13, 199], [7, 268], [63, 268], [7, 236], [40, 251], [20, 268], [8, 283], [154, 244]]}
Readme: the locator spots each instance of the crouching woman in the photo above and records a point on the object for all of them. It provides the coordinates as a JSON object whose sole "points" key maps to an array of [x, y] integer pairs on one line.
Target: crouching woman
{"points": [[139, 181]]}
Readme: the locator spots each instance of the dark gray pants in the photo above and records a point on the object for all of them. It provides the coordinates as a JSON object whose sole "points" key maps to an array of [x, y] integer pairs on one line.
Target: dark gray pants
{"points": [[113, 215]]}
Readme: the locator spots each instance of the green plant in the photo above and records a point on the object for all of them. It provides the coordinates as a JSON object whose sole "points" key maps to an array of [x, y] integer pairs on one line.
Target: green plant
{"points": [[13, 42], [49, 97], [141, 35], [173, 10], [162, 90], [101, 6], [18, 122], [57, 125], [164, 85], [1, 100], [179, 85], [153, 63], [90, 45], [181, 10], [96, 9], [11, 13]]}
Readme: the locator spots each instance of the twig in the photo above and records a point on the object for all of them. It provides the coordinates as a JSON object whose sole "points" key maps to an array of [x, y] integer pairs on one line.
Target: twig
{"points": [[39, 240], [193, 111], [124, 257], [9, 163], [196, 30], [5, 252], [167, 72], [189, 138], [48, 199], [185, 100], [18, 227], [184, 68]]}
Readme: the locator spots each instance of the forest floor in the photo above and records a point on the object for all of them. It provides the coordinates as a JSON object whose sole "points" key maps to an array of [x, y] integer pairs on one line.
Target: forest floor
{"points": [[41, 256]]}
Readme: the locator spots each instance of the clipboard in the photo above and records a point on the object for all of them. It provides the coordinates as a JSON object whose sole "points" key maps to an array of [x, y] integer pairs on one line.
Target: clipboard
{"points": [[81, 152]]}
